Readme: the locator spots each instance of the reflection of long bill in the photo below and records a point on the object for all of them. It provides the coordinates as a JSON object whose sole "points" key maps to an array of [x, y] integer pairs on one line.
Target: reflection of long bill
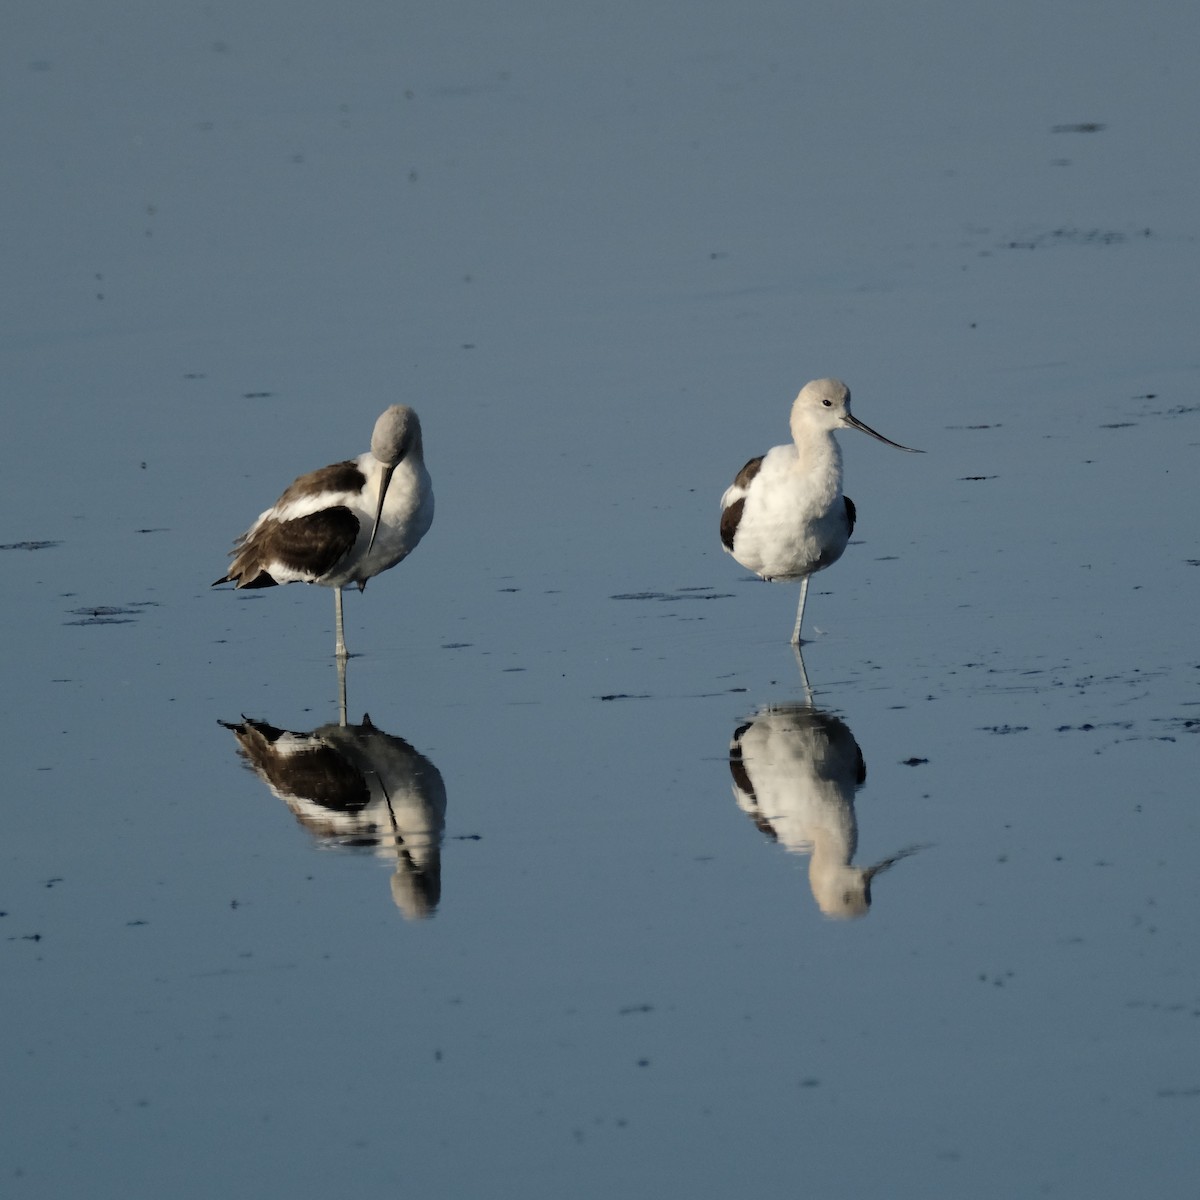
{"points": [[880, 867]]}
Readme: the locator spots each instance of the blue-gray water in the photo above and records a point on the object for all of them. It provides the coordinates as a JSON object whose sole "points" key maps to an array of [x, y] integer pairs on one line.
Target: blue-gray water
{"points": [[599, 251]]}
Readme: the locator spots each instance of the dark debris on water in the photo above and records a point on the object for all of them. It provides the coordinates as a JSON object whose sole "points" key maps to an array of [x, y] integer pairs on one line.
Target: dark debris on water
{"points": [[1074, 237], [685, 593], [108, 614]]}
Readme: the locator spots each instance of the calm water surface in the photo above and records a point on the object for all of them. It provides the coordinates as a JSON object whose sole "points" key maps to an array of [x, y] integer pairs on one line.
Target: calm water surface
{"points": [[600, 253]]}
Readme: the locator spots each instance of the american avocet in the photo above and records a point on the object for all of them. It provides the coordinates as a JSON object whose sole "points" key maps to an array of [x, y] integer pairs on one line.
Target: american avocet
{"points": [[795, 774], [344, 523], [354, 785], [785, 517]]}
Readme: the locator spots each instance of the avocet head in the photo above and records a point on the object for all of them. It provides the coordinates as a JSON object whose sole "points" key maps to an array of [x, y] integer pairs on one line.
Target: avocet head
{"points": [[823, 406], [397, 434]]}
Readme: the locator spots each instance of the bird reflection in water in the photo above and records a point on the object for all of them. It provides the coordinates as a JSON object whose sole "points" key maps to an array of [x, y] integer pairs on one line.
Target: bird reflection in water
{"points": [[795, 772], [354, 785]]}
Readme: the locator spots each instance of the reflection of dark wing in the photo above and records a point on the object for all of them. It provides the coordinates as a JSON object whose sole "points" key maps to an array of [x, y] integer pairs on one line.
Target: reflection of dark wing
{"points": [[303, 766], [764, 826], [744, 785], [836, 754], [737, 766]]}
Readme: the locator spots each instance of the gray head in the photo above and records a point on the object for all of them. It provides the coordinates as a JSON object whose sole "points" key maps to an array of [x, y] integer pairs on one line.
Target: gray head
{"points": [[824, 405], [397, 434]]}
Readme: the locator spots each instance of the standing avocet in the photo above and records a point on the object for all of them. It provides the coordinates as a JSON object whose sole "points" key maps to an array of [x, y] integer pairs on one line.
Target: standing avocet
{"points": [[344, 523], [785, 516]]}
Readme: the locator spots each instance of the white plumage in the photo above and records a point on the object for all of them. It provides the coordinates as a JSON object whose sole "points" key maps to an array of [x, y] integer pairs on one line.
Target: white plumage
{"points": [[795, 773], [784, 517]]}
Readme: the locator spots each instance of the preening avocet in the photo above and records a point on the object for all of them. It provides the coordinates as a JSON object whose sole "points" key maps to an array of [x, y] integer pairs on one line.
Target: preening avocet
{"points": [[344, 523], [785, 516]]}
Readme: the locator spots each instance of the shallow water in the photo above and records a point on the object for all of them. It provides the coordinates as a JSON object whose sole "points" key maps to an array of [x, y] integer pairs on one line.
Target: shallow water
{"points": [[599, 253]]}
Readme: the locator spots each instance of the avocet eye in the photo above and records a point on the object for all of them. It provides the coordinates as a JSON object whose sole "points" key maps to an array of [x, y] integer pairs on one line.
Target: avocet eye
{"points": [[827, 403]]}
